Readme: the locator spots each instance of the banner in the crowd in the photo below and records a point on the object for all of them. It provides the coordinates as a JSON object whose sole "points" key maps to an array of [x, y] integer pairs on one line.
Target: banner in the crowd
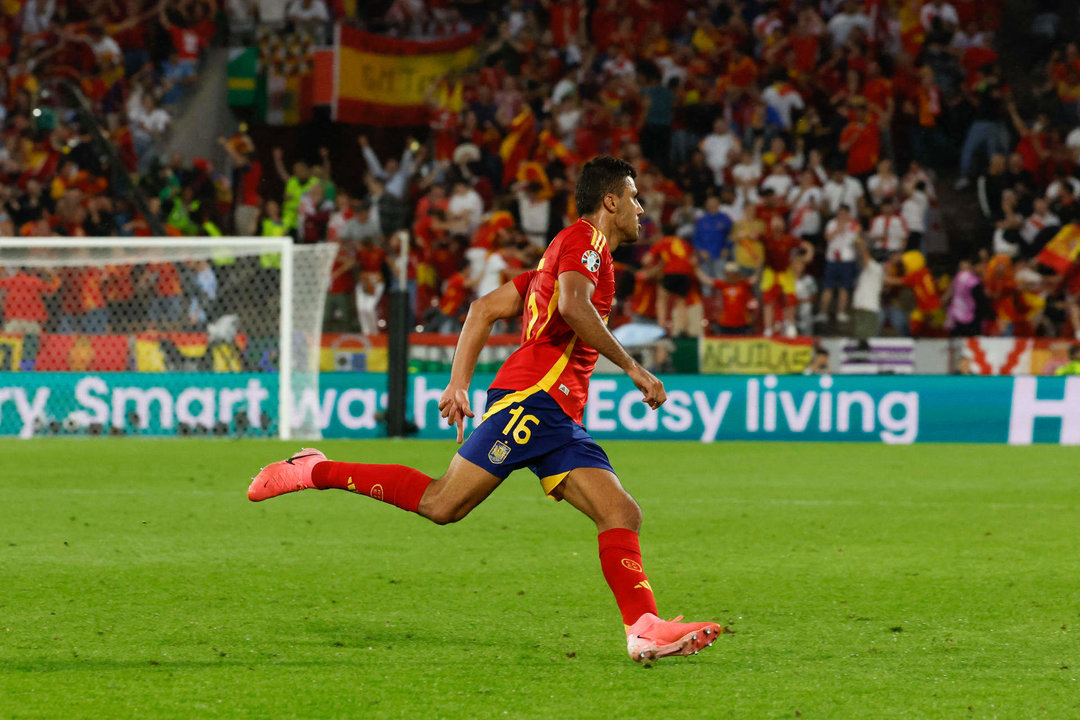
{"points": [[383, 80], [876, 356], [733, 355], [895, 409], [1015, 356]]}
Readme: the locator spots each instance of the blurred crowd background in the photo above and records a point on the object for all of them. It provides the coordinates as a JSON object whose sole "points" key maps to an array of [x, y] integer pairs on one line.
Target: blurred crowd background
{"points": [[807, 168]]}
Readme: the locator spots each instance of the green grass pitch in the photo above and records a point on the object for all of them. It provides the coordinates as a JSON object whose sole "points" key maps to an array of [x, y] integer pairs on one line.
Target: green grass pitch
{"points": [[861, 581]]}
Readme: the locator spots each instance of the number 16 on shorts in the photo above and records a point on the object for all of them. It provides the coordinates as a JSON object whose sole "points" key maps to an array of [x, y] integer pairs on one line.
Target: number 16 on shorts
{"points": [[520, 427]]}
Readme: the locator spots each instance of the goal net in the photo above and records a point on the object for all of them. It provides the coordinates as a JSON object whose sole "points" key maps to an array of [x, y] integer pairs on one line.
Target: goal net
{"points": [[160, 336]]}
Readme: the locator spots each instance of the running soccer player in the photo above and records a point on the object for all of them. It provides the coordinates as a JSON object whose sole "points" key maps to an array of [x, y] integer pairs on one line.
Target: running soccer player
{"points": [[534, 410]]}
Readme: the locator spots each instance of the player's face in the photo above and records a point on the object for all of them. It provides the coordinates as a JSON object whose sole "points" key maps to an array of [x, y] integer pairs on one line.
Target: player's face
{"points": [[628, 212]]}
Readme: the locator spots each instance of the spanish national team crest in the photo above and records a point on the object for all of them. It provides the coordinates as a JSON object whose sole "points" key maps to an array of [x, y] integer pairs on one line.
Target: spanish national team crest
{"points": [[591, 260], [498, 452]]}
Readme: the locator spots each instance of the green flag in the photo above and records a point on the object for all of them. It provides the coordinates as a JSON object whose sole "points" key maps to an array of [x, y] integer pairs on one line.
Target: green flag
{"points": [[242, 72]]}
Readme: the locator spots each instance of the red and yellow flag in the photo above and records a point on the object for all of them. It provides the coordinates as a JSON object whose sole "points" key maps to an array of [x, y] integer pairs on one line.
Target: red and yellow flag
{"points": [[1062, 250], [385, 81], [518, 145]]}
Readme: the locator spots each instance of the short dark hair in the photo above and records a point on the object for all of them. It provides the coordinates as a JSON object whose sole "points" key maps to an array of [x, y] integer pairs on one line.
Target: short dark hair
{"points": [[601, 175]]}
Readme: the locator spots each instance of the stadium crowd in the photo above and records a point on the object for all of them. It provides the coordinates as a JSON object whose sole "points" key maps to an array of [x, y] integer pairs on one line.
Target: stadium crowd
{"points": [[788, 158]]}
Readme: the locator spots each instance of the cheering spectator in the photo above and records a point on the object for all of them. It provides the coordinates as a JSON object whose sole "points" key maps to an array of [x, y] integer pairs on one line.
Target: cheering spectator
{"points": [[962, 300], [888, 232], [712, 237], [866, 300], [736, 301], [721, 143], [464, 209], [395, 174], [678, 266], [842, 190], [1038, 227], [861, 140], [914, 211], [883, 185], [841, 234], [296, 185], [777, 278]]}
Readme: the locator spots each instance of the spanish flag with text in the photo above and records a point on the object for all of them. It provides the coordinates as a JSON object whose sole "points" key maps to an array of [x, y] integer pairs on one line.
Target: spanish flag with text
{"points": [[387, 81]]}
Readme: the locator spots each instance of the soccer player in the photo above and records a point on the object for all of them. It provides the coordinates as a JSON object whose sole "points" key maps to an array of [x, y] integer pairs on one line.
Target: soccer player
{"points": [[534, 410]]}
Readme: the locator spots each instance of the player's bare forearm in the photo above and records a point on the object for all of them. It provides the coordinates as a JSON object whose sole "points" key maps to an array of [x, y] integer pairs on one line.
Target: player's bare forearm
{"points": [[575, 305], [504, 302]]}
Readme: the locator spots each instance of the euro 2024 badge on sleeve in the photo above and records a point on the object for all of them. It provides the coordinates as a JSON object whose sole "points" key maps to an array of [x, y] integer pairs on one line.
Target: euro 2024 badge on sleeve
{"points": [[591, 260], [498, 452]]}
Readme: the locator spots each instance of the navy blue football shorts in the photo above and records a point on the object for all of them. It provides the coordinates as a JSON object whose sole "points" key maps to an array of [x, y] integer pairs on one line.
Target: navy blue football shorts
{"points": [[533, 432]]}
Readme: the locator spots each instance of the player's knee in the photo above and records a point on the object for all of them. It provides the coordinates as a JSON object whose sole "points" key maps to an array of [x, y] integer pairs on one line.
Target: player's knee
{"points": [[625, 514], [441, 511]]}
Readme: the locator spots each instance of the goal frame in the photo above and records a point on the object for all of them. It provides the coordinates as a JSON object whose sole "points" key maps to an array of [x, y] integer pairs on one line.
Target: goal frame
{"points": [[283, 245]]}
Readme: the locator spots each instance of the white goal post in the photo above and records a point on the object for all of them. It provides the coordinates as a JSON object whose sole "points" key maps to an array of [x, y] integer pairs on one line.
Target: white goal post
{"points": [[184, 313]]}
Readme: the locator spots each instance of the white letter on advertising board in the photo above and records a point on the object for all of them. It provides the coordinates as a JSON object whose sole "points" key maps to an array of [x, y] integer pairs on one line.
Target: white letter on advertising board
{"points": [[899, 430], [1026, 407], [598, 404]]}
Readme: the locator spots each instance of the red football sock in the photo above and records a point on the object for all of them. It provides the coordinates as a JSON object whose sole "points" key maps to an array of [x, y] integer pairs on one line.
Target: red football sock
{"points": [[620, 559], [395, 484]]}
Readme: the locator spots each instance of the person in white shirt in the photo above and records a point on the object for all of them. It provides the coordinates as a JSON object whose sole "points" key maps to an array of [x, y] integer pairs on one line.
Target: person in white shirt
{"points": [[1063, 188], [395, 175], [747, 175], [148, 123], [1072, 141], [806, 289], [534, 211], [916, 174], [884, 184], [37, 16], [491, 274], [971, 36], [718, 147], [785, 100], [841, 234], [866, 301], [464, 209], [778, 180], [937, 9], [914, 210], [805, 202], [730, 204], [841, 190], [305, 10], [888, 231], [1040, 219], [850, 17]]}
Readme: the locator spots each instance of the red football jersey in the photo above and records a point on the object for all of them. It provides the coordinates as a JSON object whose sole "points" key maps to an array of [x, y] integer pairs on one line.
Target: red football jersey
{"points": [[551, 358]]}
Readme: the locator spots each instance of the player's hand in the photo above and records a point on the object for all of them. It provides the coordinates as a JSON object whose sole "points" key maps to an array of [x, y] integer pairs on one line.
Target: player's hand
{"points": [[649, 385], [454, 406]]}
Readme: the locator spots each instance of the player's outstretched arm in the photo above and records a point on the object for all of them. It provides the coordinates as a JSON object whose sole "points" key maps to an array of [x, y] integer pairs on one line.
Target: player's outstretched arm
{"points": [[575, 305], [504, 302]]}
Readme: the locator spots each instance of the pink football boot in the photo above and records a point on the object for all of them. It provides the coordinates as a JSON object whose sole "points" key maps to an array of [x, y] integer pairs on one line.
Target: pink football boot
{"points": [[285, 476], [651, 638]]}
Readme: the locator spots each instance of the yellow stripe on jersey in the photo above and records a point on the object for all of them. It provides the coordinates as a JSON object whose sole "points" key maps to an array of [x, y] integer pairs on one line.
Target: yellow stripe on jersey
{"points": [[508, 400], [557, 369], [552, 304], [545, 383]]}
